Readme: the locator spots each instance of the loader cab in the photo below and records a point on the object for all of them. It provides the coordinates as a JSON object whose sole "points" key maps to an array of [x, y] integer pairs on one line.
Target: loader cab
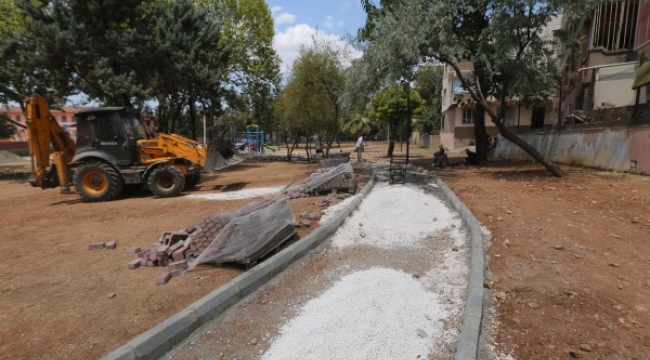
{"points": [[114, 130]]}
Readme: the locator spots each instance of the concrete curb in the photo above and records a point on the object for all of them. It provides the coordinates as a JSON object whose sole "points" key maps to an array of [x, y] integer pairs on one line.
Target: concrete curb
{"points": [[158, 340], [468, 340]]}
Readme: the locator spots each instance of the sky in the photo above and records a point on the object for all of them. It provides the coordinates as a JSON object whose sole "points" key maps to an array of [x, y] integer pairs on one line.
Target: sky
{"points": [[296, 21]]}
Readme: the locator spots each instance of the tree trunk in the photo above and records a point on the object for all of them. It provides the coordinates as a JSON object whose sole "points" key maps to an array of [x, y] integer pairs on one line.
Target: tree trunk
{"points": [[192, 114], [552, 168], [308, 149], [480, 134]]}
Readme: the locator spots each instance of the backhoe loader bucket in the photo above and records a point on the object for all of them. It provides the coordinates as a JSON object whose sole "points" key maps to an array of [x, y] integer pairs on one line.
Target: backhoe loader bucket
{"points": [[215, 161]]}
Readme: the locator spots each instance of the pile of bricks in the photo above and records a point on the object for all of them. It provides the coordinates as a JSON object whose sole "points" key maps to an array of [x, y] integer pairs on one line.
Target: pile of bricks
{"points": [[171, 251], [202, 238], [344, 181], [332, 179]]}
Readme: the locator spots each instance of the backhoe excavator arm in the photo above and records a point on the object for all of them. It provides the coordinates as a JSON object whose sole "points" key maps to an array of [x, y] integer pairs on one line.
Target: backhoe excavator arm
{"points": [[43, 131], [172, 145]]}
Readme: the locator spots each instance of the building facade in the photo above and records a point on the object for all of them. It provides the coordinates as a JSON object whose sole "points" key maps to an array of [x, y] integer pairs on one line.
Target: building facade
{"points": [[63, 116], [617, 37], [457, 128]]}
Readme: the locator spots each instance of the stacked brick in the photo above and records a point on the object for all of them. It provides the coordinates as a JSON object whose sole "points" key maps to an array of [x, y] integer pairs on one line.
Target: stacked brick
{"points": [[202, 238], [344, 181], [340, 177], [211, 226], [170, 250]]}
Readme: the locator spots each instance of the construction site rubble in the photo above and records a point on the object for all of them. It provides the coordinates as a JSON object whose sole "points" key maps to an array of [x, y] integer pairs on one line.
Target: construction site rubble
{"points": [[327, 180], [241, 236]]}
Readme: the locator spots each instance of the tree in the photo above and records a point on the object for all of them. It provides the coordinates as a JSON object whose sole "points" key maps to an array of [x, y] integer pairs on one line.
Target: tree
{"points": [[192, 68], [429, 86], [254, 68], [10, 23], [6, 128], [502, 38], [312, 95], [390, 108], [103, 49]]}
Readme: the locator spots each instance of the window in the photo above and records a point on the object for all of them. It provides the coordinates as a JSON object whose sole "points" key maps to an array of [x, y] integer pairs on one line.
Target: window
{"points": [[509, 117], [64, 118], [468, 116], [17, 118], [615, 25]]}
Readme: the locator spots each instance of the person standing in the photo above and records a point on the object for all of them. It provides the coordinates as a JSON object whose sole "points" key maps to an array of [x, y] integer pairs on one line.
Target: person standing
{"points": [[359, 147]]}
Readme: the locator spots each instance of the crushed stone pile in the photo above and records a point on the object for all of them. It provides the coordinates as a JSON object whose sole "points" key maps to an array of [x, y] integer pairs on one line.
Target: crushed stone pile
{"points": [[9, 157]]}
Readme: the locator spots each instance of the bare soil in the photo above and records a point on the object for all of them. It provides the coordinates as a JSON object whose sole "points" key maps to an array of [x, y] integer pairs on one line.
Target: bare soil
{"points": [[569, 259], [60, 300]]}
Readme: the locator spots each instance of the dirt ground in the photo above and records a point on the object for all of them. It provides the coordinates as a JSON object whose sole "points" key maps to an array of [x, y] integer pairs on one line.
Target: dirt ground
{"points": [[569, 259], [60, 300]]}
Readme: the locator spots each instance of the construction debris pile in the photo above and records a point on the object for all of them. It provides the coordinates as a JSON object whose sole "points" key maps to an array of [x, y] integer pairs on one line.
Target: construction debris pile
{"points": [[328, 180], [242, 236]]}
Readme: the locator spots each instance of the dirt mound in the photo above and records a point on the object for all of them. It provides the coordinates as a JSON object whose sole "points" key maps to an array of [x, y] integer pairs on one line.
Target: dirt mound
{"points": [[8, 157]]}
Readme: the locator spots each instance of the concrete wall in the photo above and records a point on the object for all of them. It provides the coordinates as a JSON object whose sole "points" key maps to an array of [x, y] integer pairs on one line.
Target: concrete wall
{"points": [[620, 149], [614, 85], [427, 141], [447, 140]]}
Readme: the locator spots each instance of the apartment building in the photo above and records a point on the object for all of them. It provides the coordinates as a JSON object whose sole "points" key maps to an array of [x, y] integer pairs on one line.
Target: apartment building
{"points": [[616, 39], [63, 116], [457, 129]]}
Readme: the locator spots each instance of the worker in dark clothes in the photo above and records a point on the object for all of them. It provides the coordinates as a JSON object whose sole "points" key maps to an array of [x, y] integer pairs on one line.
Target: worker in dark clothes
{"points": [[440, 159]]}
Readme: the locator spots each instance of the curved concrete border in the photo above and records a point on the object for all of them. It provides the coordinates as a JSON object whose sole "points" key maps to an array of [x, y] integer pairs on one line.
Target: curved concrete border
{"points": [[158, 340], [470, 332]]}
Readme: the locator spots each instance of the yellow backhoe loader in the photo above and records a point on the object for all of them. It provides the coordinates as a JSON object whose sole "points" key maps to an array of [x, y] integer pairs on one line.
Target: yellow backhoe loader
{"points": [[112, 150]]}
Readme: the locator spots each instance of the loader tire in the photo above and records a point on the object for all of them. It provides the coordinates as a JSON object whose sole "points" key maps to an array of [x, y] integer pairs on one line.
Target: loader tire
{"points": [[166, 181], [192, 179], [97, 181]]}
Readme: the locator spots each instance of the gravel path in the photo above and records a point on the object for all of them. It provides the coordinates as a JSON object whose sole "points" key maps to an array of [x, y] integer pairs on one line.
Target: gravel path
{"points": [[390, 284]]}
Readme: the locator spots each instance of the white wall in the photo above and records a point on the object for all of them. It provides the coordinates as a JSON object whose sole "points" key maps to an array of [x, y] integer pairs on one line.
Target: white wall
{"points": [[614, 85]]}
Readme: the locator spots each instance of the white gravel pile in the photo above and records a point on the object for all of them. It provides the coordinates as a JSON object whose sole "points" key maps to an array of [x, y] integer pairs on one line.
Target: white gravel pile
{"points": [[395, 216], [331, 211], [239, 194], [9, 157], [386, 313], [372, 314]]}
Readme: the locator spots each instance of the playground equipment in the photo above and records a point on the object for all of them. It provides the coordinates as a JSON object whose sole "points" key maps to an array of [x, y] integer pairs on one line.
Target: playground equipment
{"points": [[252, 140]]}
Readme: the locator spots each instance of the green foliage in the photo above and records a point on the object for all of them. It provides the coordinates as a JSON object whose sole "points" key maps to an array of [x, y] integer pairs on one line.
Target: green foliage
{"points": [[310, 102], [193, 62], [101, 48], [503, 38], [189, 56], [254, 67], [390, 108], [6, 129], [429, 86]]}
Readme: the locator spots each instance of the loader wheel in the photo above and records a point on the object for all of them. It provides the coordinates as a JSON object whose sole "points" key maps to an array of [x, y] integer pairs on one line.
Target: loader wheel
{"points": [[192, 179], [96, 181], [166, 181]]}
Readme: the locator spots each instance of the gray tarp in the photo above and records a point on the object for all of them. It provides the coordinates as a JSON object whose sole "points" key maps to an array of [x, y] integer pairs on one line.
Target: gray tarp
{"points": [[249, 235]]}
